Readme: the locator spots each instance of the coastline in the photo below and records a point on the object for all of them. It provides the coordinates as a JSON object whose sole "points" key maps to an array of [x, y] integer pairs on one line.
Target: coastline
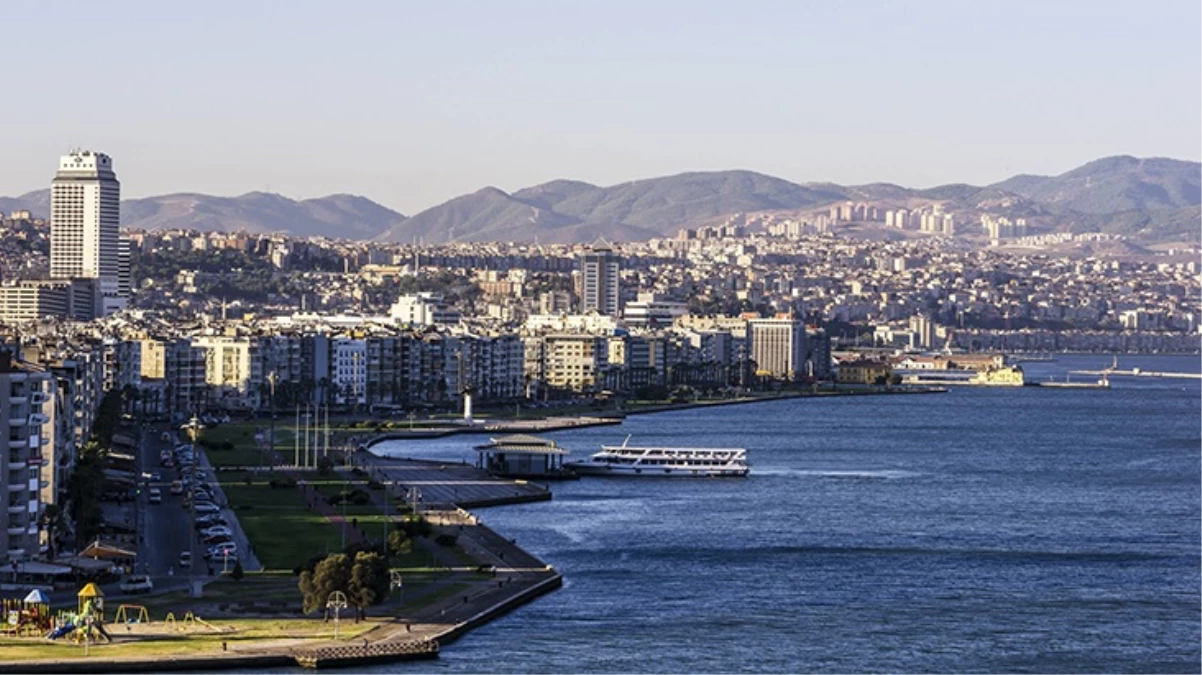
{"points": [[421, 635], [566, 422]]}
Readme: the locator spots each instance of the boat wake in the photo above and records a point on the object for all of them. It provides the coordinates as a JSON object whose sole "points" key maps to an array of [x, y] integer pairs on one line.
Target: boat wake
{"points": [[865, 474]]}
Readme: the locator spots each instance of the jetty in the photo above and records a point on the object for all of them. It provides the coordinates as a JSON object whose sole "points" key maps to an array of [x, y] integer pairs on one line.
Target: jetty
{"points": [[448, 484], [1137, 372]]}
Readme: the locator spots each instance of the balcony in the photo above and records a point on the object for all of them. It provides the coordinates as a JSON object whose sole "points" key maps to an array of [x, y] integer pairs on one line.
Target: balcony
{"points": [[18, 421], [14, 530], [17, 443], [17, 400], [16, 553], [14, 509]]}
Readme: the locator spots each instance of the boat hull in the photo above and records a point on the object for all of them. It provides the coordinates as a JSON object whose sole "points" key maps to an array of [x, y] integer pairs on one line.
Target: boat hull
{"points": [[585, 469]]}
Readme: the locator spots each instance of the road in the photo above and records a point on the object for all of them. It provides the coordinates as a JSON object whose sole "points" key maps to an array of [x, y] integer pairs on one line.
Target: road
{"points": [[166, 529]]}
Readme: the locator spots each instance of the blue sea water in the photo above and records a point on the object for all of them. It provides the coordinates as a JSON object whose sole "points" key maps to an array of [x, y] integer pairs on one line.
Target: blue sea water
{"points": [[982, 530]]}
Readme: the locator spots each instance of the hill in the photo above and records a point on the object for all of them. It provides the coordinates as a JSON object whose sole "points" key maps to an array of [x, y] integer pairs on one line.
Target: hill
{"points": [[1151, 200], [342, 216], [1114, 185], [569, 211]]}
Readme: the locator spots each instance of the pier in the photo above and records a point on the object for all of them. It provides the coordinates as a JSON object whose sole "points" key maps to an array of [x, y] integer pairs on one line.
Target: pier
{"points": [[449, 483], [1136, 372]]}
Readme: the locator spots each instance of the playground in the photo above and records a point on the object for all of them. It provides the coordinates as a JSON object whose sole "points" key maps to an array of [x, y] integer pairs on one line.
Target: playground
{"points": [[31, 629]]}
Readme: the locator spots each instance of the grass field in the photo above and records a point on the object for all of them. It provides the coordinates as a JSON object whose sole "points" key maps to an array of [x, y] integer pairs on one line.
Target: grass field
{"points": [[241, 435], [154, 640], [281, 527]]}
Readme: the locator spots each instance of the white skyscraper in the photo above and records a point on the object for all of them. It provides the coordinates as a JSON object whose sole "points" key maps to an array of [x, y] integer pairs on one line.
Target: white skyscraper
{"points": [[84, 223]]}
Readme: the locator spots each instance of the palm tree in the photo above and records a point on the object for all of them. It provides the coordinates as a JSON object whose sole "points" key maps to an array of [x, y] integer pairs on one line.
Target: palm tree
{"points": [[53, 522]]}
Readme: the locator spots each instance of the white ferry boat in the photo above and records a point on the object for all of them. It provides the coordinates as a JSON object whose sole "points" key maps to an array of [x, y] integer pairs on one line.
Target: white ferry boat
{"points": [[629, 460]]}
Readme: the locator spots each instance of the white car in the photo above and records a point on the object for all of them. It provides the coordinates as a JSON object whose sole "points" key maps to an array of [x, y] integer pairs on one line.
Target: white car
{"points": [[221, 550], [216, 530], [137, 584]]}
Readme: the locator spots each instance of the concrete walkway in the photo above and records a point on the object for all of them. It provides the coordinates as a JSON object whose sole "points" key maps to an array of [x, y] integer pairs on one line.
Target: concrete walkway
{"points": [[448, 483]]}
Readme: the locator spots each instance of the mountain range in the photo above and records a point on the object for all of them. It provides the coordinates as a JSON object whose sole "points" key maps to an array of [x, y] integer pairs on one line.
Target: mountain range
{"points": [[1150, 200]]}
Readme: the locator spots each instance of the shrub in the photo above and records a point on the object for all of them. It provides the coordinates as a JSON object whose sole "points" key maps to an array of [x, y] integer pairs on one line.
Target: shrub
{"points": [[399, 543], [237, 573], [415, 527], [325, 465], [356, 497]]}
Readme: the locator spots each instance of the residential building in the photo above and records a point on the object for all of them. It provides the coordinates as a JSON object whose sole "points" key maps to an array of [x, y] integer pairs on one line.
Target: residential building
{"points": [[599, 278], [22, 392], [423, 309]]}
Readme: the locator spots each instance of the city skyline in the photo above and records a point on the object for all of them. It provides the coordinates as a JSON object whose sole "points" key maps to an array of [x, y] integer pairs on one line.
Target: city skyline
{"points": [[454, 99]]}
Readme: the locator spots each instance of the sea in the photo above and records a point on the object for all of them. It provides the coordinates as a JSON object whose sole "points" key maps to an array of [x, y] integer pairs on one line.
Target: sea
{"points": [[981, 530]]}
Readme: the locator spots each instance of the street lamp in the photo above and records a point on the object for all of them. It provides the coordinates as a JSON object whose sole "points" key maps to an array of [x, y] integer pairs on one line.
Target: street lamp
{"points": [[271, 380]]}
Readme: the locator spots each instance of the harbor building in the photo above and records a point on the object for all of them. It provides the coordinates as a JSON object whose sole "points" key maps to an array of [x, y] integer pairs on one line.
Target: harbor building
{"points": [[599, 278], [84, 224], [522, 456]]}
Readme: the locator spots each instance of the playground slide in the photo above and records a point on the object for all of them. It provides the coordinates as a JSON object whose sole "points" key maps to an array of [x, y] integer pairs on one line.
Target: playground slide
{"points": [[61, 631]]}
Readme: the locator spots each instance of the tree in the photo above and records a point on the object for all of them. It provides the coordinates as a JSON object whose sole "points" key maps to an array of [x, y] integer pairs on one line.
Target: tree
{"points": [[330, 574], [237, 573], [53, 521], [399, 543], [368, 582]]}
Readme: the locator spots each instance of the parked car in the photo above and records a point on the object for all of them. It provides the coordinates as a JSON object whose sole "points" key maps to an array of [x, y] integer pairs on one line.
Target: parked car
{"points": [[222, 549], [137, 584], [185, 559], [215, 530], [215, 539], [209, 520], [177, 488]]}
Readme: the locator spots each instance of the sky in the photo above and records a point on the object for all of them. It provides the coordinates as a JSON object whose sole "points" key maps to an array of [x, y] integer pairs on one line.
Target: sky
{"points": [[413, 103]]}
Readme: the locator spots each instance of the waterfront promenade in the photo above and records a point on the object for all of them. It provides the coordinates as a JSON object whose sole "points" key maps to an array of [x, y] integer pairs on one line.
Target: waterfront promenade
{"points": [[447, 484]]}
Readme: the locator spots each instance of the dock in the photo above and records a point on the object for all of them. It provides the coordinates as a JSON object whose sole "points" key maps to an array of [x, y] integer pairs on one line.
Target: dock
{"points": [[449, 483], [1136, 372]]}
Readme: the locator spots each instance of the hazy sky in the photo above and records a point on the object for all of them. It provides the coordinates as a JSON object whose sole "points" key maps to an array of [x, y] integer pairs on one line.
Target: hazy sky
{"points": [[413, 103]]}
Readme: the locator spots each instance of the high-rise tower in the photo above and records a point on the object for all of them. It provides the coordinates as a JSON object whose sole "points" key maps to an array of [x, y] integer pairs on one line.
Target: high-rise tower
{"points": [[84, 224], [599, 279]]}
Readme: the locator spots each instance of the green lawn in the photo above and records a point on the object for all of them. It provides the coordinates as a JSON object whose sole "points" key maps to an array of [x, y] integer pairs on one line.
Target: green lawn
{"points": [[278, 522], [242, 436]]}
